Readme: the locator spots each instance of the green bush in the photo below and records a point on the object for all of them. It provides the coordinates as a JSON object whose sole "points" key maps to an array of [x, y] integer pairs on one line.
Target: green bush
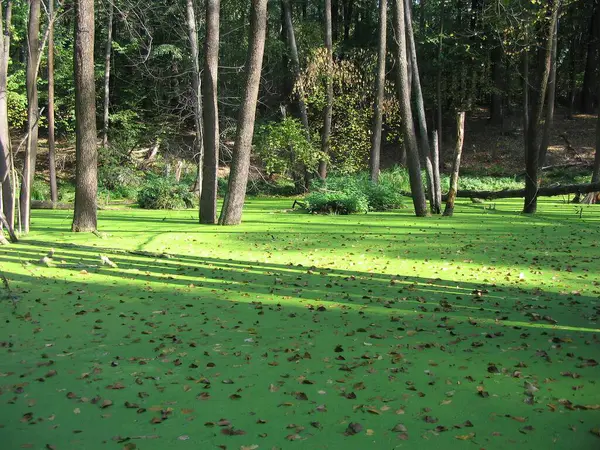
{"points": [[40, 190], [163, 193], [336, 202]]}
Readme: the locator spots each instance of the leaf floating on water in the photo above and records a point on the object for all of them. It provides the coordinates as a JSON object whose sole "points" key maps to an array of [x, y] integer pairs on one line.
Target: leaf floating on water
{"points": [[353, 428], [465, 437]]}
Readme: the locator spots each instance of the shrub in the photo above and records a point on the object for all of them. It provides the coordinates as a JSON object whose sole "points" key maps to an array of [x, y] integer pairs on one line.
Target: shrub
{"points": [[40, 190], [336, 202], [163, 193]]}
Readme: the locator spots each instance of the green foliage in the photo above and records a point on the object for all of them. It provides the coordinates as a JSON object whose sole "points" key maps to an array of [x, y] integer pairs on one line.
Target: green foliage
{"points": [[17, 100], [285, 149], [164, 193], [40, 190], [337, 202]]}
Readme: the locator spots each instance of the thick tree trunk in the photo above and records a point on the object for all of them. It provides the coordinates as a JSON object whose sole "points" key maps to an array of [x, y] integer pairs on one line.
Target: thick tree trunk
{"points": [[460, 139], [208, 199], [590, 88], [231, 213], [410, 140], [86, 172], [537, 109], [291, 41], [6, 186], [551, 96], [107, 60], [197, 88], [593, 196], [328, 113], [50, 114], [421, 119], [496, 98], [33, 116], [379, 94]]}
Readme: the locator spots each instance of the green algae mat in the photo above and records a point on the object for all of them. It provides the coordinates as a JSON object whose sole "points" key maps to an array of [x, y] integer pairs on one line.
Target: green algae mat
{"points": [[375, 331]]}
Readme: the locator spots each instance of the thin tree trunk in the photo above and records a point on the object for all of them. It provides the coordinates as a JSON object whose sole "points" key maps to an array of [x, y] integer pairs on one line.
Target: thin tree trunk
{"points": [[410, 140], [460, 139], [593, 197], [549, 121], [537, 109], [51, 140], [439, 74], [496, 113], [435, 157], [589, 88], [421, 119], [326, 135], [231, 214], [6, 186], [197, 87], [379, 94], [33, 116], [208, 198], [291, 40], [107, 55], [86, 172]]}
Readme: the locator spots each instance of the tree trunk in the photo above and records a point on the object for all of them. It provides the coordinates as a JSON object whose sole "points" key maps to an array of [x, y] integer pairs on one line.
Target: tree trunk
{"points": [[549, 121], [326, 135], [208, 198], [231, 214], [410, 140], [347, 9], [435, 148], [460, 139], [33, 115], [439, 74], [50, 113], [496, 100], [197, 87], [379, 94], [590, 88], [551, 191], [291, 40], [107, 54], [421, 119], [86, 176], [6, 186], [537, 109], [593, 197]]}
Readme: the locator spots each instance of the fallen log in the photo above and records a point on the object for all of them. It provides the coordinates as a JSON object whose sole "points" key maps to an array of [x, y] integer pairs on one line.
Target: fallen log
{"points": [[46, 204], [549, 191]]}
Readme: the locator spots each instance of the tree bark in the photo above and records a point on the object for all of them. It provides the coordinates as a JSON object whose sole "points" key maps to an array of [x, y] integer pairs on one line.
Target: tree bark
{"points": [[590, 88], [291, 40], [460, 139], [86, 176], [435, 159], [403, 88], [537, 109], [197, 88], [107, 61], [496, 100], [33, 116], [347, 10], [565, 189], [50, 112], [439, 74], [231, 214], [328, 113], [593, 196], [421, 119], [6, 186], [208, 198], [551, 96], [375, 160]]}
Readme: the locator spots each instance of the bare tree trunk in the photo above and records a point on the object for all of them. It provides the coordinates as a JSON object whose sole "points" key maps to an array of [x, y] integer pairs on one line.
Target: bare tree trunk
{"points": [[50, 113], [439, 74], [326, 135], [593, 197], [197, 87], [33, 115], [291, 40], [231, 214], [549, 121], [6, 186], [589, 88], [208, 198], [107, 54], [379, 94], [410, 140], [496, 100], [86, 172], [421, 119], [537, 109], [460, 139], [435, 159]]}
